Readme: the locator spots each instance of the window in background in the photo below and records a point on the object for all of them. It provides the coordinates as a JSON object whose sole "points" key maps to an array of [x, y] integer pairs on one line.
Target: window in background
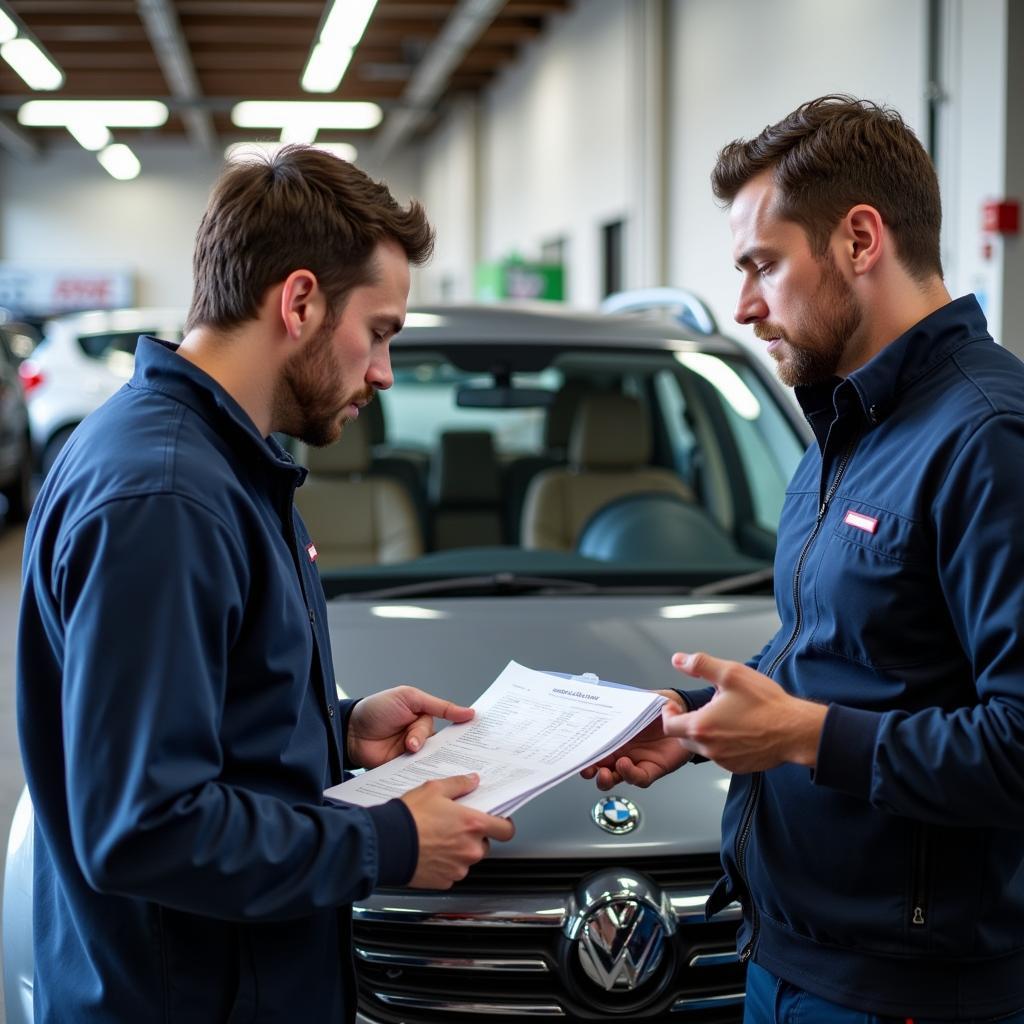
{"points": [[612, 257]]}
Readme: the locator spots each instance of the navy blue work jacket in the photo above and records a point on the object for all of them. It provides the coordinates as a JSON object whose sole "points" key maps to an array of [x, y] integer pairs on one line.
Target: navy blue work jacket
{"points": [[179, 721], [891, 878]]}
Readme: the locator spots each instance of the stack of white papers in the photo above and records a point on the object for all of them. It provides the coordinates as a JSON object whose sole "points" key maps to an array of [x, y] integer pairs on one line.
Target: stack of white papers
{"points": [[531, 731]]}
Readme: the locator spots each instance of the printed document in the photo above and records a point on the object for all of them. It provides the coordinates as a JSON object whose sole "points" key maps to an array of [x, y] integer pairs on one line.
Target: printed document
{"points": [[531, 731]]}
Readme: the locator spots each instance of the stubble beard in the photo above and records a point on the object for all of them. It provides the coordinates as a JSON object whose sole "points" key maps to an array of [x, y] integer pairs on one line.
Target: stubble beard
{"points": [[308, 401], [833, 317]]}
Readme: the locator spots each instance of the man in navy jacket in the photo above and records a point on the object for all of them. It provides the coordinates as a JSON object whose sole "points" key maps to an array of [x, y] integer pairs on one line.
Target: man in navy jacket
{"points": [[874, 830], [177, 708]]}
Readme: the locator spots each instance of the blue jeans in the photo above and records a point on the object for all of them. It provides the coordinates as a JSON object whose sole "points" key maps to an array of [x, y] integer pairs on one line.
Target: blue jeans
{"points": [[771, 1000]]}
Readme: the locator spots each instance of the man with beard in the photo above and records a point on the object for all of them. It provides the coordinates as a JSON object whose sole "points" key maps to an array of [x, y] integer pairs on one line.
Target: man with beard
{"points": [[874, 829], [177, 707]]}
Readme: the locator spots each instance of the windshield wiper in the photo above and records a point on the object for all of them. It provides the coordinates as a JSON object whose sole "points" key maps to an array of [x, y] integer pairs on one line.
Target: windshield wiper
{"points": [[494, 583], [748, 582]]}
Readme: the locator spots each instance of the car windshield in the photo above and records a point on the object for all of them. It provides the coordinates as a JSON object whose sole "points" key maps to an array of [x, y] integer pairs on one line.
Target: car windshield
{"points": [[531, 468]]}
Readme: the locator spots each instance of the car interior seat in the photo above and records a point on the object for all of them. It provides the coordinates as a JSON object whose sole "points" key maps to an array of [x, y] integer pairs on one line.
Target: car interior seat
{"points": [[609, 452], [408, 465], [355, 518], [465, 490], [518, 474]]}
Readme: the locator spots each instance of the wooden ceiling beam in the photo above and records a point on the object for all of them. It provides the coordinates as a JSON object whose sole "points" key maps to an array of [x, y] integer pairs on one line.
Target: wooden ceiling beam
{"points": [[285, 9], [29, 10], [534, 8]]}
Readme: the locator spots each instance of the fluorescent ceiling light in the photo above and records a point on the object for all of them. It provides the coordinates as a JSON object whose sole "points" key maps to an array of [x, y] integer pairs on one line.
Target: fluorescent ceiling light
{"points": [[89, 134], [346, 22], [329, 59], [301, 115], [111, 113], [242, 151], [8, 30], [120, 162], [326, 67], [31, 64]]}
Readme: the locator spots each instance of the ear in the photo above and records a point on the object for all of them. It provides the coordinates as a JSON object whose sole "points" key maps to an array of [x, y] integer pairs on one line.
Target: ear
{"points": [[302, 304], [862, 238]]}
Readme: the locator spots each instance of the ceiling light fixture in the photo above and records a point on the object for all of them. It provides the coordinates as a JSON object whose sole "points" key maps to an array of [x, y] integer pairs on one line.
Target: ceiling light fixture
{"points": [[239, 152], [35, 69], [120, 162], [110, 113], [90, 121], [300, 122], [8, 29], [26, 56], [338, 37], [91, 135]]}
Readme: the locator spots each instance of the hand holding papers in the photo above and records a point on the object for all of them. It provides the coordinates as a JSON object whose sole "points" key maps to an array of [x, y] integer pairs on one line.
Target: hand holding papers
{"points": [[531, 731]]}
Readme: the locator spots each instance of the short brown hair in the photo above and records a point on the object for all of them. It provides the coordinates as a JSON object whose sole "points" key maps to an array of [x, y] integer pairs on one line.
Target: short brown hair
{"points": [[300, 208], [835, 152]]}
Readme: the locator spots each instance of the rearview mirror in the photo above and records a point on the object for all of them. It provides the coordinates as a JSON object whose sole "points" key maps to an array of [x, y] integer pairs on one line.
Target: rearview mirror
{"points": [[475, 397]]}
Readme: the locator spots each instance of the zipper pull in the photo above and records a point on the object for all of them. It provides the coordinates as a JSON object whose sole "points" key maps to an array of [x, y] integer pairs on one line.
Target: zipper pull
{"points": [[918, 917], [822, 511]]}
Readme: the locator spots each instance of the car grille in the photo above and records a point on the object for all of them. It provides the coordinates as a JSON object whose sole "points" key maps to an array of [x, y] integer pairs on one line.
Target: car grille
{"points": [[493, 947]]}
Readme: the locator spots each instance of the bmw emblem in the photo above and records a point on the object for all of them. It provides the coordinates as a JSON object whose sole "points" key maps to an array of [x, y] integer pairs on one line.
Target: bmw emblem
{"points": [[616, 814]]}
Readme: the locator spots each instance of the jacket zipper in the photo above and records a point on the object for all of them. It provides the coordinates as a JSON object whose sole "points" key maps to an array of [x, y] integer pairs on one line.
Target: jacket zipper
{"points": [[755, 785], [918, 915]]}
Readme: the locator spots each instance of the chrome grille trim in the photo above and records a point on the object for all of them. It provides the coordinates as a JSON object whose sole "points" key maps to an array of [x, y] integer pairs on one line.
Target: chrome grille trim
{"points": [[708, 1002], [513, 911], [477, 911], [714, 959], [374, 956], [485, 1009]]}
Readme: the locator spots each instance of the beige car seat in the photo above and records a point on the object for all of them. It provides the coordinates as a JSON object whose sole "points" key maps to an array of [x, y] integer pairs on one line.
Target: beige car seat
{"points": [[354, 518], [609, 451]]}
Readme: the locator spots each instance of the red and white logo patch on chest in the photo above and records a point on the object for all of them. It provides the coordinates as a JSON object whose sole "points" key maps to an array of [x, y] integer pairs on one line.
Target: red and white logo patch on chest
{"points": [[862, 522], [311, 551]]}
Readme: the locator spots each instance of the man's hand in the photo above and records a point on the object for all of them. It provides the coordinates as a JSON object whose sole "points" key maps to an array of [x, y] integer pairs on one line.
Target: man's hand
{"points": [[394, 722], [751, 724], [649, 755], [452, 837]]}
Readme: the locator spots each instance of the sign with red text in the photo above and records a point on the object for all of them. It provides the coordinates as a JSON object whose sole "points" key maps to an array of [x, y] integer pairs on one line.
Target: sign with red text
{"points": [[29, 290]]}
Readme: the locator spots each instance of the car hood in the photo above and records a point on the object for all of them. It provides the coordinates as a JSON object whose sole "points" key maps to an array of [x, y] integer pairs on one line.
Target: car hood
{"points": [[455, 648]]}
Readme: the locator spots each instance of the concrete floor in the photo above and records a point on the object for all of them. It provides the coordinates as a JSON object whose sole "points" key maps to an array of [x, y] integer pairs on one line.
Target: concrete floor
{"points": [[11, 776]]}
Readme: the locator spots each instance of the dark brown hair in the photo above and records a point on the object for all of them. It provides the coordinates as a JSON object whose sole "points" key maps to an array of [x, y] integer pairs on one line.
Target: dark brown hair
{"points": [[835, 152], [300, 208]]}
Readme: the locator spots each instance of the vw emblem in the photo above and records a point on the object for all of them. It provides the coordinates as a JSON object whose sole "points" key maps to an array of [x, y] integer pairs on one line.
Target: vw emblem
{"points": [[616, 814], [620, 927]]}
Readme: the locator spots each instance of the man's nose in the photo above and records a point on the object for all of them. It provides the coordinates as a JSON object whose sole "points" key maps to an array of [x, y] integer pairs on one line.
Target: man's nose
{"points": [[379, 374], [751, 307]]}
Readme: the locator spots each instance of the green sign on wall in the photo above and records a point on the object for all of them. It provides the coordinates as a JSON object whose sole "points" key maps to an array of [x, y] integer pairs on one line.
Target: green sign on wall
{"points": [[517, 279]]}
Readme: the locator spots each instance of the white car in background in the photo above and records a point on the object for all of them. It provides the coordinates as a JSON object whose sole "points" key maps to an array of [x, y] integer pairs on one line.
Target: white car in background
{"points": [[81, 361]]}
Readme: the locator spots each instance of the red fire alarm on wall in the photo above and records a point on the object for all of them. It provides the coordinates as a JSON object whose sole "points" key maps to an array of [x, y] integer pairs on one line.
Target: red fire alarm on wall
{"points": [[1001, 216]]}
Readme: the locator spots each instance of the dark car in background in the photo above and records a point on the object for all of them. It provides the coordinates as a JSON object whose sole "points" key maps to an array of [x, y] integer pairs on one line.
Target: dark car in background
{"points": [[16, 460]]}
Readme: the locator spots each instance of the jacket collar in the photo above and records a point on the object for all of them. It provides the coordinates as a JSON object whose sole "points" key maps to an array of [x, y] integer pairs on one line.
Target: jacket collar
{"points": [[874, 390], [158, 367]]}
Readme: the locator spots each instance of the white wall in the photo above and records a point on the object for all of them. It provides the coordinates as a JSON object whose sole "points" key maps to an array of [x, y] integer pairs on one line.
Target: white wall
{"points": [[743, 64], [972, 162], [64, 210], [450, 190]]}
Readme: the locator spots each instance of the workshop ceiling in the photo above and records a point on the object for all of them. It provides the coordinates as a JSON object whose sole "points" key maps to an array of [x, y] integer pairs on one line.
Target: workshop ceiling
{"points": [[201, 57]]}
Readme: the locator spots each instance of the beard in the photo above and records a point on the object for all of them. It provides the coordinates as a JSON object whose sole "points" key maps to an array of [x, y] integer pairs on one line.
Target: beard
{"points": [[813, 351], [309, 398]]}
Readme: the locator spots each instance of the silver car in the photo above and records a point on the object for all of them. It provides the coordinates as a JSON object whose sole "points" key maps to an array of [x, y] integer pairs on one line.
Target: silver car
{"points": [[582, 493]]}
